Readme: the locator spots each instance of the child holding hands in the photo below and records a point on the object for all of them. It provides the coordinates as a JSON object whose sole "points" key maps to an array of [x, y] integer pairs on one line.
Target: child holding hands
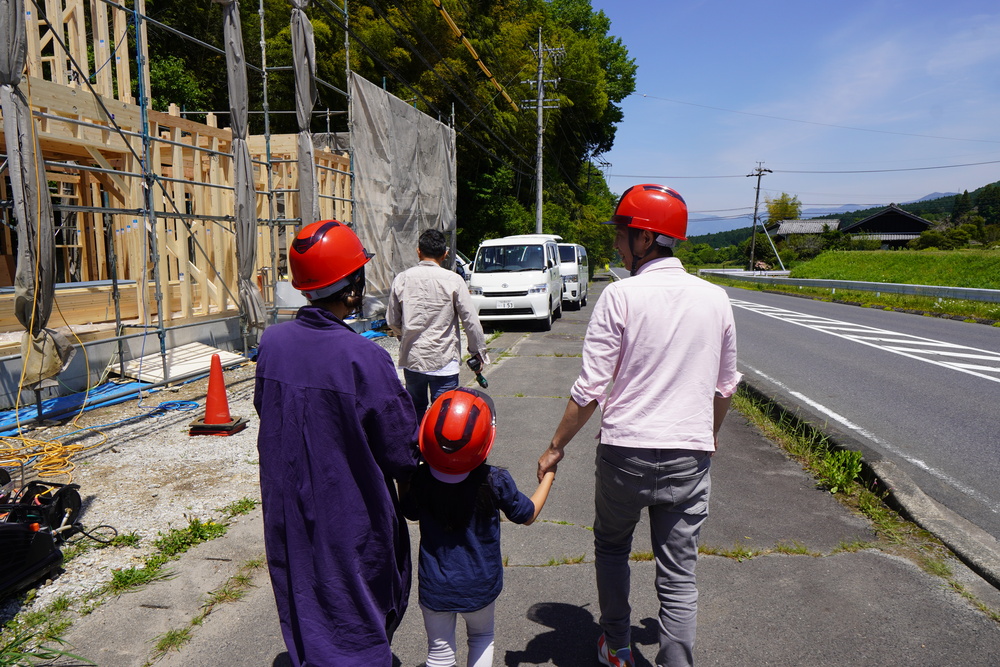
{"points": [[457, 498]]}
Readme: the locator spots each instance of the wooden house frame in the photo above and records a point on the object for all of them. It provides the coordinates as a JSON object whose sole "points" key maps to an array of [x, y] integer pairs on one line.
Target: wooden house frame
{"points": [[175, 262]]}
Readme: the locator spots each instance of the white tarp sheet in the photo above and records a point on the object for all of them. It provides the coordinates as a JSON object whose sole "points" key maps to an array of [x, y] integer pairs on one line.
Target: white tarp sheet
{"points": [[404, 180]]}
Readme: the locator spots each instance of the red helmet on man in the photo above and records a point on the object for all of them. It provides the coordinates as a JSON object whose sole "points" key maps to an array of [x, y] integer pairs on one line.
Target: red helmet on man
{"points": [[655, 208], [457, 432], [324, 258]]}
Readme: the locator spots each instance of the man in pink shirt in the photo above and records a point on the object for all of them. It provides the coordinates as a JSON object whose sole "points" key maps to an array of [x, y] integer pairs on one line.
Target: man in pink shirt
{"points": [[660, 359]]}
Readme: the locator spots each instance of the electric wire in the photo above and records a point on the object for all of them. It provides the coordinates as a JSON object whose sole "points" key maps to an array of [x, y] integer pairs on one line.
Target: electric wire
{"points": [[403, 81], [810, 122], [413, 49], [168, 197], [52, 458]]}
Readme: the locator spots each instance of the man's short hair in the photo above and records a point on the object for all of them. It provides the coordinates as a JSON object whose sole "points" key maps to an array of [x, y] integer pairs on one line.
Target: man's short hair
{"points": [[432, 243]]}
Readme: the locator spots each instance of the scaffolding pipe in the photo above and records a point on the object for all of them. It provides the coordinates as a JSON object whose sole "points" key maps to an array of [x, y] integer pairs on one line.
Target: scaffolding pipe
{"points": [[148, 177]]}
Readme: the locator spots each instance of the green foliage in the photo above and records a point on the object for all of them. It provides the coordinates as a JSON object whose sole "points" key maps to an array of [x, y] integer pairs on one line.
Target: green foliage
{"points": [[239, 507], [783, 207], [719, 239], [988, 204], [936, 210], [965, 268], [963, 205], [407, 46], [173, 81], [762, 251], [28, 645], [838, 469], [176, 542]]}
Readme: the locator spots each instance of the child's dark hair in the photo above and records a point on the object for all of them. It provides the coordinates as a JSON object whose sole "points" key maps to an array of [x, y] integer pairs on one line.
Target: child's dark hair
{"points": [[454, 505]]}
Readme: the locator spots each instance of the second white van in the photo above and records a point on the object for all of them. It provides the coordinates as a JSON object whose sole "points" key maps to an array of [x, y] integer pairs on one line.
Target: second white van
{"points": [[575, 270], [517, 278]]}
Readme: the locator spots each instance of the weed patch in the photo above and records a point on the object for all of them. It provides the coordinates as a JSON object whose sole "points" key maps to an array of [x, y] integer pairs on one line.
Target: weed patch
{"points": [[844, 474]]}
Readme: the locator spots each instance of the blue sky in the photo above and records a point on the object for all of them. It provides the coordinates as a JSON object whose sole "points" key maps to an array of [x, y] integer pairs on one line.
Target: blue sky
{"points": [[722, 85]]}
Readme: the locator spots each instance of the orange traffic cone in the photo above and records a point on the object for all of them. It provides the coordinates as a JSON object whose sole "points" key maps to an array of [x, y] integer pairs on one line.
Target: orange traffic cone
{"points": [[217, 420]]}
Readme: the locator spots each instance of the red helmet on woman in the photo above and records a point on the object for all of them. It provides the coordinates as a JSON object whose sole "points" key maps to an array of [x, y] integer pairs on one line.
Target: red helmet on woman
{"points": [[456, 434], [656, 208], [323, 257]]}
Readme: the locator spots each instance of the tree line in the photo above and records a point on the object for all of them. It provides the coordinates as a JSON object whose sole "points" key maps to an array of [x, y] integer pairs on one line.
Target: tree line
{"points": [[407, 46], [957, 221]]}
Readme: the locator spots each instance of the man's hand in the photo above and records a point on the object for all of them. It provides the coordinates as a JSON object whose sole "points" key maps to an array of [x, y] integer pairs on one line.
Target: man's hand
{"points": [[548, 462]]}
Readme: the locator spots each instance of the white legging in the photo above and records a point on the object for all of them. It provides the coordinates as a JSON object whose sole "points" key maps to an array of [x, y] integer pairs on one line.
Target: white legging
{"points": [[440, 627]]}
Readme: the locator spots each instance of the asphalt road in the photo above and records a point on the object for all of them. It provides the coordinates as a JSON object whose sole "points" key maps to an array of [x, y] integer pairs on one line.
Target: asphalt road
{"points": [[922, 391], [812, 603]]}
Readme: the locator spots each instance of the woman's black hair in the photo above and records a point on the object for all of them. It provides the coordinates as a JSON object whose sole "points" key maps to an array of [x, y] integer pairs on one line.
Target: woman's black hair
{"points": [[352, 295], [454, 505]]}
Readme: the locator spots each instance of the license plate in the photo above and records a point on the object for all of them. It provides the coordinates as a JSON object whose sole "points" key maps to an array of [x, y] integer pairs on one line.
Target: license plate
{"points": [[505, 304]]}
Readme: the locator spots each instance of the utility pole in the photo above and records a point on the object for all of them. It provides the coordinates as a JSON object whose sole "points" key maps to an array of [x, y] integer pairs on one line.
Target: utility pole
{"points": [[540, 104], [758, 172]]}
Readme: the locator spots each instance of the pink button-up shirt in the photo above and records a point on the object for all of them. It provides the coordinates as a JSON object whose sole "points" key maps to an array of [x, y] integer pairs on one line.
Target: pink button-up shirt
{"points": [[659, 346]]}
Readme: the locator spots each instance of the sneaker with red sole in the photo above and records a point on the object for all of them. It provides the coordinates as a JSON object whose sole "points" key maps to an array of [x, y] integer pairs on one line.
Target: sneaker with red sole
{"points": [[612, 658]]}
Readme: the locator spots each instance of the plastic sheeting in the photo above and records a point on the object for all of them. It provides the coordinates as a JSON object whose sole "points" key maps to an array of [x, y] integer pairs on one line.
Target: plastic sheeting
{"points": [[101, 395], [306, 94], [46, 352], [245, 204], [405, 179]]}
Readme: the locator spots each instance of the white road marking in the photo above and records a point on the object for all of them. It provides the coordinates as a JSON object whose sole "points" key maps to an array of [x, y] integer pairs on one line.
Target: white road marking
{"points": [[860, 430], [921, 349]]}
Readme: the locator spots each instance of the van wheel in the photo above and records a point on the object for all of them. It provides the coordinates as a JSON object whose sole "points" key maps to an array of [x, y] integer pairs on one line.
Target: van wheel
{"points": [[558, 312], [546, 324], [583, 301]]}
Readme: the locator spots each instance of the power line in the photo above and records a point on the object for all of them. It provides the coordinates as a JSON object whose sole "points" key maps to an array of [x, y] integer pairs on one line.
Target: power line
{"points": [[444, 61], [845, 171], [402, 80], [883, 171], [672, 177], [810, 122]]}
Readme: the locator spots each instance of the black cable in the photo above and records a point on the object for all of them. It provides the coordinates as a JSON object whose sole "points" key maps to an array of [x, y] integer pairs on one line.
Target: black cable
{"points": [[809, 122], [402, 80], [413, 49], [79, 528], [883, 171], [444, 61]]}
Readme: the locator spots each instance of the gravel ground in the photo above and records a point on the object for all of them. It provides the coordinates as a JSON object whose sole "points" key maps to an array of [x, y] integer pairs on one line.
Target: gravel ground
{"points": [[147, 475]]}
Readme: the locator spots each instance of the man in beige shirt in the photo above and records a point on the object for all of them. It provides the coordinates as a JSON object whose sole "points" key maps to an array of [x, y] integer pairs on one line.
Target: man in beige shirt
{"points": [[425, 305]]}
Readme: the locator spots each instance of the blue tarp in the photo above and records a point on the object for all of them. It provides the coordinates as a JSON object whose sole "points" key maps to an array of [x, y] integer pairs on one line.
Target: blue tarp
{"points": [[105, 394]]}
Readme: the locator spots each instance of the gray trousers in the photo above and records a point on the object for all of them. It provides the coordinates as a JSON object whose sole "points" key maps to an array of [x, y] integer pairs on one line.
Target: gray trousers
{"points": [[674, 486]]}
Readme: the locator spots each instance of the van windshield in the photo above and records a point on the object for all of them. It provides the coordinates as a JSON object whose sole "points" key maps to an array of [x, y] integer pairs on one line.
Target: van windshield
{"points": [[510, 258], [567, 253]]}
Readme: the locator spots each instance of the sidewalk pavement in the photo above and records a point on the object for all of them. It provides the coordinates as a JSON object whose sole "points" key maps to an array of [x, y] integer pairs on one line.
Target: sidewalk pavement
{"points": [[818, 603]]}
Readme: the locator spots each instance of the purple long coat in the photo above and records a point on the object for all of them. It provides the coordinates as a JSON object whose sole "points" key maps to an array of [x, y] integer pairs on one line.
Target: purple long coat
{"points": [[336, 427]]}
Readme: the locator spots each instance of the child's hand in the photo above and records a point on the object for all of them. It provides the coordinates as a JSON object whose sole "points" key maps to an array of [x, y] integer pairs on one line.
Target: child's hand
{"points": [[541, 493]]}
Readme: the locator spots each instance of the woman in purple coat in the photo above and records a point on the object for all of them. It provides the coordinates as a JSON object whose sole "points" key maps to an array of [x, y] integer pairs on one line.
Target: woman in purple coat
{"points": [[336, 428]]}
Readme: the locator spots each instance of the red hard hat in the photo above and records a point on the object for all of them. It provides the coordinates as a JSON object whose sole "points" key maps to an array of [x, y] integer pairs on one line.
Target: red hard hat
{"points": [[322, 257], [656, 208], [456, 434]]}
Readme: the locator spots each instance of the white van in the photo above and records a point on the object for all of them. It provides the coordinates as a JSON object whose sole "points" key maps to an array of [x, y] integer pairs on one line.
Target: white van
{"points": [[517, 278], [575, 269]]}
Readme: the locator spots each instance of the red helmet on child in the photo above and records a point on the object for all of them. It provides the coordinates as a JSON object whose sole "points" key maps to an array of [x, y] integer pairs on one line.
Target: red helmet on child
{"points": [[457, 432], [323, 256], [656, 208]]}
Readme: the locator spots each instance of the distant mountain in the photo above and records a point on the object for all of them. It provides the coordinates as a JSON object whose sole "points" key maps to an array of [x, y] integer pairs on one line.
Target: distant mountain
{"points": [[830, 210], [933, 195], [700, 225]]}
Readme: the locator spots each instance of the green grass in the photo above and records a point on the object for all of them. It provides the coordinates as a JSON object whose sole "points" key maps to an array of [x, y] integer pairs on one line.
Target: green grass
{"points": [[239, 507], [863, 494], [952, 268], [955, 268]]}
